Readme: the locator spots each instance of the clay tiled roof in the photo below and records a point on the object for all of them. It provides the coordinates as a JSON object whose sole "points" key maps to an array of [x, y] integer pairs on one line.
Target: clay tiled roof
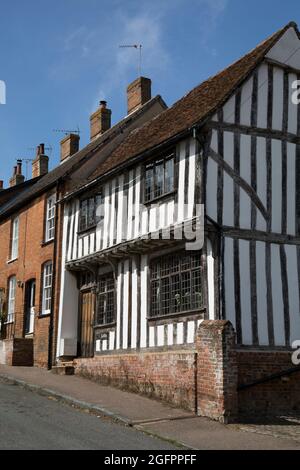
{"points": [[13, 199], [194, 108]]}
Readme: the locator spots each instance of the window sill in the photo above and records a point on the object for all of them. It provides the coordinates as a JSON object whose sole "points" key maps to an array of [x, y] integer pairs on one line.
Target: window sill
{"points": [[160, 198], [103, 327], [87, 230], [11, 322], [43, 315], [169, 316], [10, 261], [46, 243]]}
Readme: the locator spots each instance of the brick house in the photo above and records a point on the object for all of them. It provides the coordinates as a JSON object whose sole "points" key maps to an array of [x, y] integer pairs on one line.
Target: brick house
{"points": [[31, 231], [211, 329]]}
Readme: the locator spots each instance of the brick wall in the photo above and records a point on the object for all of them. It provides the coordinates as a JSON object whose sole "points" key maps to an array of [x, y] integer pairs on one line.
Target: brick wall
{"points": [[168, 376], [280, 395], [204, 380], [31, 257], [216, 371], [16, 352]]}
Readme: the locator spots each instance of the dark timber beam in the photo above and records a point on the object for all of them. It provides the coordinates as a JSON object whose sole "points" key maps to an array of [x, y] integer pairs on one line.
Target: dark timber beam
{"points": [[255, 131], [281, 65], [260, 236], [240, 183]]}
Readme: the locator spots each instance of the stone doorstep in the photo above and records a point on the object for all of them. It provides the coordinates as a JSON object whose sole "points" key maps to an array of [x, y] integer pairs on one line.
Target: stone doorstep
{"points": [[64, 369]]}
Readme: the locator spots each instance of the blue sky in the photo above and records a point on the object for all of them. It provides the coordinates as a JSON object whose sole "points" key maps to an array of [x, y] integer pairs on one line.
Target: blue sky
{"points": [[59, 58]]}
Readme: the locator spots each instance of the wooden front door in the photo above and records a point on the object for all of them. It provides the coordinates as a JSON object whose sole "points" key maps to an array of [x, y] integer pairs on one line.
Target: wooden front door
{"points": [[87, 324]]}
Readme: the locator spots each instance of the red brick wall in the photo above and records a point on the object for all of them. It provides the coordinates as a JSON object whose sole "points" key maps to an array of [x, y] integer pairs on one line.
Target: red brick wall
{"points": [[16, 352], [32, 255], [206, 379], [168, 376], [216, 371], [278, 395]]}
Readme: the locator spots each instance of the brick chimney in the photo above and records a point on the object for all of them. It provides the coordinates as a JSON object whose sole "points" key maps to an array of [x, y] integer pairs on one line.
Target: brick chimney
{"points": [[138, 93], [1, 185], [69, 146], [17, 177], [40, 163], [100, 120]]}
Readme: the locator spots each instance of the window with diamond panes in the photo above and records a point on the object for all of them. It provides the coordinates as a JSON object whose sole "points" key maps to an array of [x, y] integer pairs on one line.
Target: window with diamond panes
{"points": [[176, 284], [106, 300]]}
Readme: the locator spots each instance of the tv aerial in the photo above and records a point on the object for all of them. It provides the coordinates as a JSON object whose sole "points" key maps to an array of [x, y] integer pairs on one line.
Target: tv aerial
{"points": [[138, 47], [68, 131]]}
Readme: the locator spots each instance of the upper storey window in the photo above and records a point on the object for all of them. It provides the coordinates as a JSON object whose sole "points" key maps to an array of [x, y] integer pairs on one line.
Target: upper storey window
{"points": [[159, 177], [89, 214], [50, 218], [14, 239]]}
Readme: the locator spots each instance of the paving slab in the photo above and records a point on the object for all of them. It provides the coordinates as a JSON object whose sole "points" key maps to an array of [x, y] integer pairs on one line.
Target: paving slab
{"points": [[204, 434]]}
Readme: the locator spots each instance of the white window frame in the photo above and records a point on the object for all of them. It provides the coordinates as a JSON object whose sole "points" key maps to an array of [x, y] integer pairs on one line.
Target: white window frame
{"points": [[50, 218], [11, 300], [15, 239], [47, 288]]}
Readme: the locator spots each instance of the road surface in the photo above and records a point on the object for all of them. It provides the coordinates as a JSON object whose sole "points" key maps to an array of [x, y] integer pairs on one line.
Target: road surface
{"points": [[31, 421]]}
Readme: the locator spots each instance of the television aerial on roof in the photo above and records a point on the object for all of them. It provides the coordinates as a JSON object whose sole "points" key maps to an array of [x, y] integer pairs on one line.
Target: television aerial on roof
{"points": [[138, 47], [67, 131]]}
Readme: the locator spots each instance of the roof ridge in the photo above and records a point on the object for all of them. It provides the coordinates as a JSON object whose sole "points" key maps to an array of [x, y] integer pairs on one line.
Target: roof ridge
{"points": [[194, 108], [215, 76]]}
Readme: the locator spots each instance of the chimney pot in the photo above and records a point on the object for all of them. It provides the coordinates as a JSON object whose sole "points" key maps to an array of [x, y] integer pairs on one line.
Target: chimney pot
{"points": [[138, 93], [40, 163], [69, 146], [17, 177], [19, 167], [100, 120]]}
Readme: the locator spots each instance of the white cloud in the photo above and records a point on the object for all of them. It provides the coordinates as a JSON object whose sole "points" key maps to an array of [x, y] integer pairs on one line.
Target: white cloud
{"points": [[97, 49]]}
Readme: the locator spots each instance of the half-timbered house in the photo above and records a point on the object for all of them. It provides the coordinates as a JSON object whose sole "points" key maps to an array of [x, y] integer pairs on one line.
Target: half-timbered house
{"points": [[132, 299], [31, 231]]}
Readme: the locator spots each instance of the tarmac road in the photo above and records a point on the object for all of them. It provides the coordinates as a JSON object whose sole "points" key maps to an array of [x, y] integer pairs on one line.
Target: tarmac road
{"points": [[30, 421]]}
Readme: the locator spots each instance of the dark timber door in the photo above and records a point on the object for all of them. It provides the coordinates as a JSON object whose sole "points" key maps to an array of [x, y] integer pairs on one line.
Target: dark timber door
{"points": [[86, 324]]}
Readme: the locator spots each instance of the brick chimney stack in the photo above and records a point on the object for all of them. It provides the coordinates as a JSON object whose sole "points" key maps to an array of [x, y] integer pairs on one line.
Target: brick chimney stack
{"points": [[17, 177], [69, 146], [138, 93], [1, 185], [40, 163], [100, 120]]}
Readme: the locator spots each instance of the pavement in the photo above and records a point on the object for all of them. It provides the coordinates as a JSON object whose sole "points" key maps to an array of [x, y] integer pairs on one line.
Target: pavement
{"points": [[173, 426]]}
